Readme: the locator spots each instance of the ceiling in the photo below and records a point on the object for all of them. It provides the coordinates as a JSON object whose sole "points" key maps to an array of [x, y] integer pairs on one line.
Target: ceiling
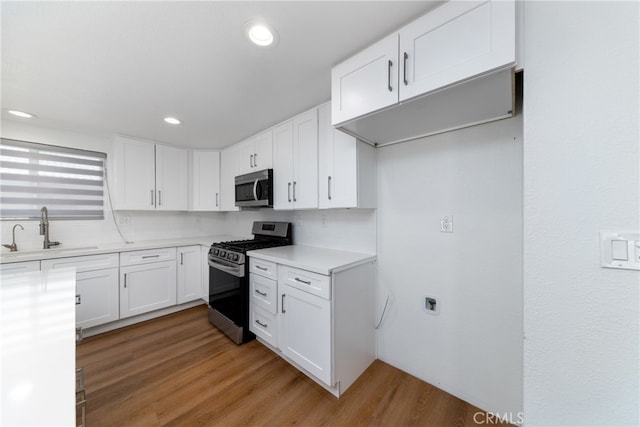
{"points": [[121, 67]]}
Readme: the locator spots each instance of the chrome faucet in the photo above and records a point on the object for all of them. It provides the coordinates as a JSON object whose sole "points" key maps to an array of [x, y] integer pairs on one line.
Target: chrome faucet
{"points": [[44, 228], [13, 247]]}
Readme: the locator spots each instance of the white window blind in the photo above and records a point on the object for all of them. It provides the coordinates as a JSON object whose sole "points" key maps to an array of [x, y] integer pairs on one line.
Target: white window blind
{"points": [[69, 182]]}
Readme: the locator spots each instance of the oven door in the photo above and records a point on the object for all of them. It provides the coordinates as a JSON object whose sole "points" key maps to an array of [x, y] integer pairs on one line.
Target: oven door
{"points": [[225, 289]]}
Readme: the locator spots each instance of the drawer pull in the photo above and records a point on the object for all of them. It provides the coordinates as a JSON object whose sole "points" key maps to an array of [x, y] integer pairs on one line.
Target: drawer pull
{"points": [[151, 256], [306, 282], [259, 267], [262, 324], [78, 299], [261, 293]]}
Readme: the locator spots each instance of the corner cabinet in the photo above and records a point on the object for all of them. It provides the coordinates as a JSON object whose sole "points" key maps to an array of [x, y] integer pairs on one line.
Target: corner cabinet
{"points": [[295, 162], [149, 176], [205, 180], [323, 324], [347, 167]]}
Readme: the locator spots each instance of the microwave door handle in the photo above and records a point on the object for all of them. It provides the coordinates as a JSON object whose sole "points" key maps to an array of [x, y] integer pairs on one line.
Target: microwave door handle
{"points": [[255, 190]]}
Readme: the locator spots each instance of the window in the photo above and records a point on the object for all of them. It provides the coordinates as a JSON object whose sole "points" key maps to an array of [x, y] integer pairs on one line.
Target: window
{"points": [[69, 182]]}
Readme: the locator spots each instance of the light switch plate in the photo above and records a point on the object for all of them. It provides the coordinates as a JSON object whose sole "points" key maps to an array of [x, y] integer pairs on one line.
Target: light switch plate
{"points": [[620, 249]]}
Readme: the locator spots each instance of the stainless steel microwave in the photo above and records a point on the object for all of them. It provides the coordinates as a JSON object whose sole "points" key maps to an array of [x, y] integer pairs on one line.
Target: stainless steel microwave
{"points": [[255, 189]]}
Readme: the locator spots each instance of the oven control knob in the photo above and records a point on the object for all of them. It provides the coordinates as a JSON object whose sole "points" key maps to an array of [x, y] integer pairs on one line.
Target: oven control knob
{"points": [[223, 254], [236, 257], [215, 251]]}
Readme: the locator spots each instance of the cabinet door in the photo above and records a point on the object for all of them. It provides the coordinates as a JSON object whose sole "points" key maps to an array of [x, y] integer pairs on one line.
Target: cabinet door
{"points": [[365, 82], [96, 297], [205, 184], [263, 150], [337, 163], [305, 160], [147, 287], [283, 165], [304, 331], [189, 283], [134, 174], [204, 259], [245, 158], [229, 164], [172, 178], [455, 42]]}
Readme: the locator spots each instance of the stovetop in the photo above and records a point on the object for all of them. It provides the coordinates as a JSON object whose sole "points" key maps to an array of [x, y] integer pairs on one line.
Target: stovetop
{"points": [[267, 235]]}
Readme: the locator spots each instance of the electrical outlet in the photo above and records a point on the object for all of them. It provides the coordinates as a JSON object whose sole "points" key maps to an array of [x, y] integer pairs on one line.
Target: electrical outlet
{"points": [[431, 305], [125, 219], [446, 224]]}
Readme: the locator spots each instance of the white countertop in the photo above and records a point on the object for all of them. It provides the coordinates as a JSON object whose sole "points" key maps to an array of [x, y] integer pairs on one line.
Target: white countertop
{"points": [[37, 348], [71, 251], [310, 258]]}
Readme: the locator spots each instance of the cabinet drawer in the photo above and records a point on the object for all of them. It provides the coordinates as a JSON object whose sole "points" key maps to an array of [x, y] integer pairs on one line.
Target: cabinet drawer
{"points": [[146, 256], [83, 263], [264, 293], [316, 284], [19, 267], [264, 325], [263, 268]]}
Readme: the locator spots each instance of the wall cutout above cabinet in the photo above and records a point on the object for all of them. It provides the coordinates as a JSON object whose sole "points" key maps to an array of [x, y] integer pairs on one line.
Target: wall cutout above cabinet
{"points": [[449, 69]]}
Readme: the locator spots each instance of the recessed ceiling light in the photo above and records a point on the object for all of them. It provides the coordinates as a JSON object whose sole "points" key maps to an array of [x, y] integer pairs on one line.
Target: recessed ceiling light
{"points": [[172, 120], [21, 114], [261, 33]]}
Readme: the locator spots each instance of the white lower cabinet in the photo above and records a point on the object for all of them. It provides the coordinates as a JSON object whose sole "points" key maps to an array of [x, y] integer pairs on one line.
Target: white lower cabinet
{"points": [[96, 287], [322, 324], [148, 285], [304, 324], [96, 297], [189, 284]]}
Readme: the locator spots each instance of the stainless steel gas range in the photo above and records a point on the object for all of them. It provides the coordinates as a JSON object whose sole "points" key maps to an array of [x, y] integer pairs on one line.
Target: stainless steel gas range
{"points": [[229, 277]]}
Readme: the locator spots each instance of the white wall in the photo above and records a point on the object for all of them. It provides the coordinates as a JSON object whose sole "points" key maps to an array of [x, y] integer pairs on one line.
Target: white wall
{"points": [[473, 349], [581, 160]]}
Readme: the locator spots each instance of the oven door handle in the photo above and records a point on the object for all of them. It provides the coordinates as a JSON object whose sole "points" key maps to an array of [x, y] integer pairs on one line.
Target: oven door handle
{"points": [[255, 190], [237, 271]]}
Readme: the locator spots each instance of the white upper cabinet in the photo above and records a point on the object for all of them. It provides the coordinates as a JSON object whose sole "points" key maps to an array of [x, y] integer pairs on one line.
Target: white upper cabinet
{"points": [[295, 162], [134, 174], [172, 178], [366, 82], [347, 167], [453, 43], [257, 153], [229, 168], [205, 180], [149, 176]]}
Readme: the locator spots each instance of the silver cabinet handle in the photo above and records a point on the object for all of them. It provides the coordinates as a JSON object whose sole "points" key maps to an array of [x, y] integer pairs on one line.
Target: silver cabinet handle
{"points": [[261, 293], [79, 334], [181, 258], [78, 299], [389, 77], [306, 282], [294, 191], [152, 198], [261, 324], [406, 82], [251, 161], [255, 159], [217, 200], [259, 267], [151, 256], [160, 197], [282, 303], [125, 280], [329, 187], [289, 191]]}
